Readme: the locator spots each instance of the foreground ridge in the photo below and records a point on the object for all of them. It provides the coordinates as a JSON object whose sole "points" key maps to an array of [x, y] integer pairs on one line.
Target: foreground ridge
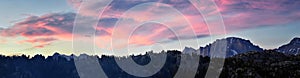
{"points": [[268, 63]]}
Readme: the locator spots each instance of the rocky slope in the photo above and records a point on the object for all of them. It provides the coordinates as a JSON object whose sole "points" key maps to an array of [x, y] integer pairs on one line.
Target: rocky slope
{"points": [[234, 46], [291, 48]]}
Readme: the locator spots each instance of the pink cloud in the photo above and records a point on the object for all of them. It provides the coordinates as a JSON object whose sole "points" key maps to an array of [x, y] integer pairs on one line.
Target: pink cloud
{"points": [[41, 45], [42, 30], [237, 14], [40, 40], [243, 14]]}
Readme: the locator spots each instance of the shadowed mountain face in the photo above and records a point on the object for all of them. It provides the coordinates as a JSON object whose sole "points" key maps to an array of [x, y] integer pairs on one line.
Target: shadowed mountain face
{"points": [[291, 48], [234, 46]]}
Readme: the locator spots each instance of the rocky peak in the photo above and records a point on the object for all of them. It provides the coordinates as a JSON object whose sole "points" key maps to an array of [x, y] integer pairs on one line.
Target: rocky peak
{"points": [[188, 50], [233, 45], [295, 41]]}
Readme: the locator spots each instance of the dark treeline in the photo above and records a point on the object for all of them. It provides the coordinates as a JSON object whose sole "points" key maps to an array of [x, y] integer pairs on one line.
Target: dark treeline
{"points": [[250, 64]]}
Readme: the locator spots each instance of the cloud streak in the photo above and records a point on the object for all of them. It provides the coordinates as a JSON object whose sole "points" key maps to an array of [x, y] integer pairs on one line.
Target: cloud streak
{"points": [[241, 14]]}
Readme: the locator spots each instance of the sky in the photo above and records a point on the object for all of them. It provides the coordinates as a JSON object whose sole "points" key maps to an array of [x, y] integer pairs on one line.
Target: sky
{"points": [[46, 26]]}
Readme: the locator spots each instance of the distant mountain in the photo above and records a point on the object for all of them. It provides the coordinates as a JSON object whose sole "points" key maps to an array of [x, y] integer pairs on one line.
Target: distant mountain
{"points": [[291, 48], [234, 46], [189, 50]]}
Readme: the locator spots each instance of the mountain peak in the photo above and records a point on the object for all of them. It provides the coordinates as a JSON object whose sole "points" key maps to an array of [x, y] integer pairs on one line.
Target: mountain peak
{"points": [[56, 54], [188, 50], [233, 38], [295, 41], [234, 45]]}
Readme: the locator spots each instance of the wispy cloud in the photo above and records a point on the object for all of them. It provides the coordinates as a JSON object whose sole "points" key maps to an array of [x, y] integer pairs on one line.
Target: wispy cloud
{"points": [[240, 14]]}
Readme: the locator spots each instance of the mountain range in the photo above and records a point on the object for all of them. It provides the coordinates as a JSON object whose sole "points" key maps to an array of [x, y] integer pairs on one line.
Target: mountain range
{"points": [[236, 46], [244, 60]]}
